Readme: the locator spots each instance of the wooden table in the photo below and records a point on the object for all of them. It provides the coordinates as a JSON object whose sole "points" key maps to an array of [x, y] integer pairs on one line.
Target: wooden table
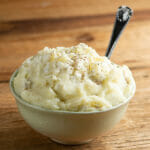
{"points": [[27, 26]]}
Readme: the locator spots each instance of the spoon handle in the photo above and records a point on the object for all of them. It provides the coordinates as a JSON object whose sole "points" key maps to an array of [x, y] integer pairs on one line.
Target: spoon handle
{"points": [[122, 18]]}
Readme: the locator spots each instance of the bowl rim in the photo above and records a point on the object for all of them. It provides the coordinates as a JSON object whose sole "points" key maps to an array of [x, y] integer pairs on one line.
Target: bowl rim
{"points": [[18, 98]]}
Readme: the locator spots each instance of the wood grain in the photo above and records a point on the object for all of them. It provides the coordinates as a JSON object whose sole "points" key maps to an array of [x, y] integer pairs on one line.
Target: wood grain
{"points": [[28, 26], [35, 9]]}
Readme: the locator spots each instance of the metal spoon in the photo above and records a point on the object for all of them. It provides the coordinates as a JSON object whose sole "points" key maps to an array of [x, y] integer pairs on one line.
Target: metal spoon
{"points": [[123, 16]]}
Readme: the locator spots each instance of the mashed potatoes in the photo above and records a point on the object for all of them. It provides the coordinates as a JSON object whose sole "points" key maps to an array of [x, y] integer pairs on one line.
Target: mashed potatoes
{"points": [[73, 79]]}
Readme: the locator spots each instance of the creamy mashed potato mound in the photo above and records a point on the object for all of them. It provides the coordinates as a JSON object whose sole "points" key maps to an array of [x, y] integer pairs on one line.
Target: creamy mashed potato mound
{"points": [[73, 79]]}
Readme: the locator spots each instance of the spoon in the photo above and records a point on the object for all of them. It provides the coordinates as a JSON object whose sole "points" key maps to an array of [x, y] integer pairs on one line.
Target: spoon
{"points": [[123, 16]]}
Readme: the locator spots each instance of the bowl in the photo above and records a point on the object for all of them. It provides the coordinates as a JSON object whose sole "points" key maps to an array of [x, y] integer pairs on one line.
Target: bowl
{"points": [[68, 127]]}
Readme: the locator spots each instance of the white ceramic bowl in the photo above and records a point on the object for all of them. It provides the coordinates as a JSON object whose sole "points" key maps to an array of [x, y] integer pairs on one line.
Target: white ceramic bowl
{"points": [[68, 127]]}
